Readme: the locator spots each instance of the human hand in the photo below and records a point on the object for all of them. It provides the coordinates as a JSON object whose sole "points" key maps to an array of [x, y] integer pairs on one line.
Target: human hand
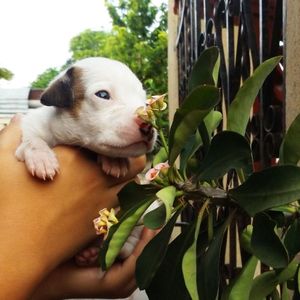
{"points": [[44, 223], [71, 281]]}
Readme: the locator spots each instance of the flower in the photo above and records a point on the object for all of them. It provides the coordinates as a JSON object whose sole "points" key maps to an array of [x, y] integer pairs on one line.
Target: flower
{"points": [[154, 172], [105, 220], [157, 102], [146, 114]]}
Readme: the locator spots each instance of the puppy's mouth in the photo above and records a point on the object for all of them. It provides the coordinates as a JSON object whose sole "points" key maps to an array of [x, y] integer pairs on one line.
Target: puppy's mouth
{"points": [[134, 149]]}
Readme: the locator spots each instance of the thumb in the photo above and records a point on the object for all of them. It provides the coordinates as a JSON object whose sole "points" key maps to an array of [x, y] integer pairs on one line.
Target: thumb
{"points": [[10, 136]]}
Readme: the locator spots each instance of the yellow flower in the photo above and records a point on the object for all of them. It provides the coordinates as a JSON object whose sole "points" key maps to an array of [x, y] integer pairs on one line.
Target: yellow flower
{"points": [[105, 220], [146, 114], [157, 102]]}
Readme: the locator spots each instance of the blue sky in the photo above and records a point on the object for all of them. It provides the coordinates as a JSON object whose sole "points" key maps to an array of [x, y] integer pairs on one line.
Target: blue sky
{"points": [[35, 34]]}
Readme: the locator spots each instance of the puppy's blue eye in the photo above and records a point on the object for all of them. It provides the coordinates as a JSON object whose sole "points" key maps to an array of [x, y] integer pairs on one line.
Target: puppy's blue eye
{"points": [[103, 94]]}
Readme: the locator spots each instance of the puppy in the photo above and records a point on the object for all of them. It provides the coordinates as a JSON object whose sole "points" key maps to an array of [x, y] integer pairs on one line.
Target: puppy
{"points": [[92, 104]]}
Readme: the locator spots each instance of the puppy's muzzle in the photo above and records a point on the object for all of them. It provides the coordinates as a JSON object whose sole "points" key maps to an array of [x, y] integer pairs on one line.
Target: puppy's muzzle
{"points": [[146, 129]]}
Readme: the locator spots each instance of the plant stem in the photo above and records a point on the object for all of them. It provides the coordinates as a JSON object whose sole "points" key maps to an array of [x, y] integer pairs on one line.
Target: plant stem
{"points": [[163, 140]]}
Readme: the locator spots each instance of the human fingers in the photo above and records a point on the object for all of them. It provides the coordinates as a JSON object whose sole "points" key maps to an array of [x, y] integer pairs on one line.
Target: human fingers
{"points": [[10, 136]]}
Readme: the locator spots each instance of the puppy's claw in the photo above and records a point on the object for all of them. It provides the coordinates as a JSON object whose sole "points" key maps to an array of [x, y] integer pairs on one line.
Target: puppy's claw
{"points": [[116, 167]]}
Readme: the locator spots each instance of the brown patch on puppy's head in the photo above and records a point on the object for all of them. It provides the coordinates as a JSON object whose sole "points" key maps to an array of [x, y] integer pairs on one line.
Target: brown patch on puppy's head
{"points": [[66, 91]]}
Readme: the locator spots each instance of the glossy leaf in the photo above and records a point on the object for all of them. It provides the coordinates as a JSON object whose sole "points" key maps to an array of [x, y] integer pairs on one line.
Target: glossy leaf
{"points": [[119, 233], [168, 281], [290, 147], [209, 265], [134, 200], [298, 280], [239, 110], [292, 238], [285, 292], [211, 121], [228, 150], [156, 218], [269, 188], [187, 118], [204, 68], [153, 254], [245, 239], [241, 286], [265, 283], [266, 244], [189, 261], [134, 193], [167, 195]]}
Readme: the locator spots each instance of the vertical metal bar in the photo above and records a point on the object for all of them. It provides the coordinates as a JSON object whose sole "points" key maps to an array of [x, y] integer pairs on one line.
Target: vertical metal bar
{"points": [[247, 12], [231, 54]]}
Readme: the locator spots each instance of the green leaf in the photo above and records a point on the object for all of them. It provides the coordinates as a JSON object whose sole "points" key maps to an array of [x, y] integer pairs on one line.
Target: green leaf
{"points": [[152, 256], [119, 233], [204, 69], [168, 281], [189, 261], [156, 218], [245, 239], [228, 150], [266, 244], [287, 273], [167, 195], [160, 157], [239, 110], [241, 286], [134, 193], [290, 147], [269, 188], [134, 200], [298, 280], [264, 284], [216, 70], [291, 240], [285, 292], [187, 118], [211, 121], [208, 273]]}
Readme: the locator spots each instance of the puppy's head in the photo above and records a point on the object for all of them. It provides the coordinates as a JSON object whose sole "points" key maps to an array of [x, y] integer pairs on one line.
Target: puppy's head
{"points": [[99, 98]]}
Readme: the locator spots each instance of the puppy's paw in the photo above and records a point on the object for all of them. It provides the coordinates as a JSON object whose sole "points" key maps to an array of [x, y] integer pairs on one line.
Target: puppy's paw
{"points": [[40, 161], [116, 167], [87, 257]]}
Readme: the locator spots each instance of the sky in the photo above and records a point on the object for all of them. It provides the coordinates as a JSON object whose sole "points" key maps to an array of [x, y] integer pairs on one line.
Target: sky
{"points": [[35, 34]]}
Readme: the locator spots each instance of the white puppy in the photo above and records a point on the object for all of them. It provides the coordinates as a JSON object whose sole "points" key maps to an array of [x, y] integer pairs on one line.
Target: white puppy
{"points": [[92, 104]]}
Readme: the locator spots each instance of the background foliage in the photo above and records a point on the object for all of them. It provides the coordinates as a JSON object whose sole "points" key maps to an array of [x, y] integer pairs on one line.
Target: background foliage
{"points": [[5, 74], [138, 38], [219, 187]]}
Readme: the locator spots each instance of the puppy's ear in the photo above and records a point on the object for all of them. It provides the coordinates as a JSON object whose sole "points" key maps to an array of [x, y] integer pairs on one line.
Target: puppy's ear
{"points": [[60, 93]]}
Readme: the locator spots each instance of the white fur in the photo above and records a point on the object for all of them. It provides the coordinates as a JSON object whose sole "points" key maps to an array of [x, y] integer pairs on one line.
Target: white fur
{"points": [[108, 127]]}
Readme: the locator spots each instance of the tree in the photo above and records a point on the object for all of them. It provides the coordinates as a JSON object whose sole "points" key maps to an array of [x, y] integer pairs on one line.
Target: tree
{"points": [[138, 38], [6, 74], [43, 79]]}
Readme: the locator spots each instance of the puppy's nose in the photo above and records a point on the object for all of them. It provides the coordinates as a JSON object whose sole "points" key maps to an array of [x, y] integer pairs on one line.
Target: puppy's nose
{"points": [[146, 129]]}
